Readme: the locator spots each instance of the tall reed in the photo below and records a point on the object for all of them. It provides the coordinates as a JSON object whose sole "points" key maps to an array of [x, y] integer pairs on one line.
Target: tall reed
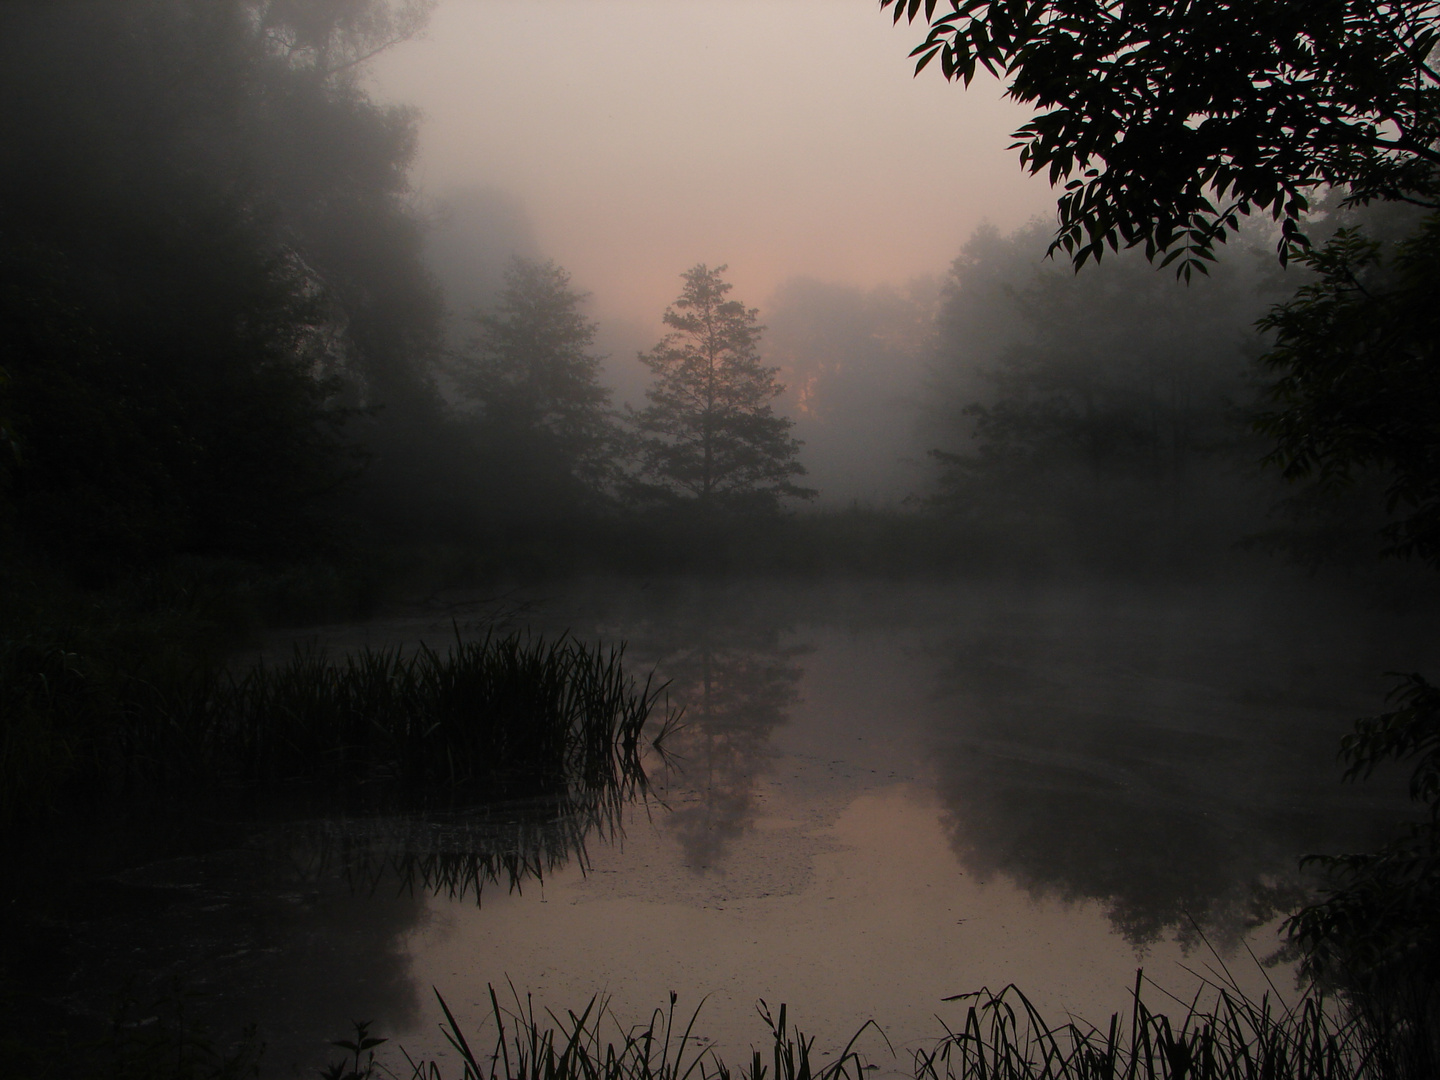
{"points": [[576, 1046], [513, 716], [1002, 1037]]}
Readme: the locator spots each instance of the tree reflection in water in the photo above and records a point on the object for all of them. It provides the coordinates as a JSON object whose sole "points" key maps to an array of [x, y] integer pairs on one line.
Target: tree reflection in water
{"points": [[1171, 774]]}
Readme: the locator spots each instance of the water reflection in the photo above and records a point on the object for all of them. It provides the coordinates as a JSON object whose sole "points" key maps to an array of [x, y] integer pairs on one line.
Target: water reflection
{"points": [[737, 683], [296, 926], [1172, 771], [454, 855]]}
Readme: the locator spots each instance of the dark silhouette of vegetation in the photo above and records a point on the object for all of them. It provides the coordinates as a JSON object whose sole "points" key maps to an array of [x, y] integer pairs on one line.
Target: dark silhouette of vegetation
{"points": [[1094, 413], [543, 416], [1002, 1034], [510, 717], [1168, 123], [1375, 933], [710, 433], [209, 268], [1357, 387]]}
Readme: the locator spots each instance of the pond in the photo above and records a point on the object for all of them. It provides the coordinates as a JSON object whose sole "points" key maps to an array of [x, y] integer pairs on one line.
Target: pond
{"points": [[879, 796]]}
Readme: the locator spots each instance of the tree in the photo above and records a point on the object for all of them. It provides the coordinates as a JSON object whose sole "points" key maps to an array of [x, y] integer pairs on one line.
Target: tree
{"points": [[1167, 121], [531, 372], [1357, 383], [710, 431], [205, 276]]}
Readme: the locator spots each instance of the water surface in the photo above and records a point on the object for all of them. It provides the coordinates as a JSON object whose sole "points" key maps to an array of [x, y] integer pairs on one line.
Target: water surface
{"points": [[882, 795]]}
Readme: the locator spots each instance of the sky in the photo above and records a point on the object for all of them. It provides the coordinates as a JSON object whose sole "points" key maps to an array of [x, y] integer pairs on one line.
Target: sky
{"points": [[781, 137]]}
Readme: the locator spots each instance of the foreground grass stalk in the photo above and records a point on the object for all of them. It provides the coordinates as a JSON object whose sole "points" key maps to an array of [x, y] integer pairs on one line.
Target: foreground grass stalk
{"points": [[1002, 1036], [531, 1046]]}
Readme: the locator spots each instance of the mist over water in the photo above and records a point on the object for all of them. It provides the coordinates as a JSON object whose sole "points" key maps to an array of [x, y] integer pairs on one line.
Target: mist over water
{"points": [[886, 794], [986, 647]]}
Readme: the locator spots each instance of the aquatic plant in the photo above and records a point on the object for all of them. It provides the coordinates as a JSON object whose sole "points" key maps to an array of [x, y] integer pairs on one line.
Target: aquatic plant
{"points": [[512, 716], [518, 716]]}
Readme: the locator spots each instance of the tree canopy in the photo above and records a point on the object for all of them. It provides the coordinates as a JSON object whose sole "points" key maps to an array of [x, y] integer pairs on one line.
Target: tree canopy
{"points": [[1166, 121], [710, 432], [209, 265], [531, 372]]}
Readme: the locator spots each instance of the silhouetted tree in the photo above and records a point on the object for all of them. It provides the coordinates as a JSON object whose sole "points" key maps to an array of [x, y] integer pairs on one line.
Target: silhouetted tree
{"points": [[1169, 121], [211, 270], [530, 371], [710, 432]]}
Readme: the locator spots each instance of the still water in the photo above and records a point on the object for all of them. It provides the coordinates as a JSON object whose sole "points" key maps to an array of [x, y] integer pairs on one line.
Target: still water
{"points": [[882, 795]]}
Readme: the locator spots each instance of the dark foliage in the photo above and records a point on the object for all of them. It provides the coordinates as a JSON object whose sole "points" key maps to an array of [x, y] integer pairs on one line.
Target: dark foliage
{"points": [[543, 415], [208, 267], [1375, 934], [513, 717], [1166, 122], [1357, 387]]}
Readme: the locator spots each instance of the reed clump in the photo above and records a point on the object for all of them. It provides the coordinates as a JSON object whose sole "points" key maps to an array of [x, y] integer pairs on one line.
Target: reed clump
{"points": [[1234, 1037], [500, 716], [520, 716]]}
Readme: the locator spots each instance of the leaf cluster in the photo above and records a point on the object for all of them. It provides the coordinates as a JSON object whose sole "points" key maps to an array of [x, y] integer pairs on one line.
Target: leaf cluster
{"points": [[1166, 121], [1357, 386]]}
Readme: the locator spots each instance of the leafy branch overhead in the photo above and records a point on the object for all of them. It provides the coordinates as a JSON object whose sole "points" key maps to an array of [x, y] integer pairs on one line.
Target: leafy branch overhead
{"points": [[1165, 122]]}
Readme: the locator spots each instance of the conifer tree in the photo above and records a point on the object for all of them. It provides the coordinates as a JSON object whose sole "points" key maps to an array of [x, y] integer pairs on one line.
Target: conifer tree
{"points": [[536, 382], [709, 432]]}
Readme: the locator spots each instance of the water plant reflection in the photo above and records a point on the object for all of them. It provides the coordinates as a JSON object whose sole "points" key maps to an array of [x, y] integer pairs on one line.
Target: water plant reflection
{"points": [[457, 854]]}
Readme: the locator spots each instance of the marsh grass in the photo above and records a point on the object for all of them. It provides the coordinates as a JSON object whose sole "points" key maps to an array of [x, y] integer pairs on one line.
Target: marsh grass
{"points": [[594, 1045], [496, 717], [1002, 1036], [1233, 1037], [517, 716]]}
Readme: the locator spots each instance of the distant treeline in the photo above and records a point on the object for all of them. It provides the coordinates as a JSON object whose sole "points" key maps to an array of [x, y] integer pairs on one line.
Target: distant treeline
{"points": [[1110, 416], [222, 341]]}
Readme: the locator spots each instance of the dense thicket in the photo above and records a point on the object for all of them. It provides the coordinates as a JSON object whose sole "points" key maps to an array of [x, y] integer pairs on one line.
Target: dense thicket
{"points": [[209, 267]]}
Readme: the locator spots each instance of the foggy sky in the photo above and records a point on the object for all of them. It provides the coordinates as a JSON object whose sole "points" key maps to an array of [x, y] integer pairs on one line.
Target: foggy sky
{"points": [[783, 137]]}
